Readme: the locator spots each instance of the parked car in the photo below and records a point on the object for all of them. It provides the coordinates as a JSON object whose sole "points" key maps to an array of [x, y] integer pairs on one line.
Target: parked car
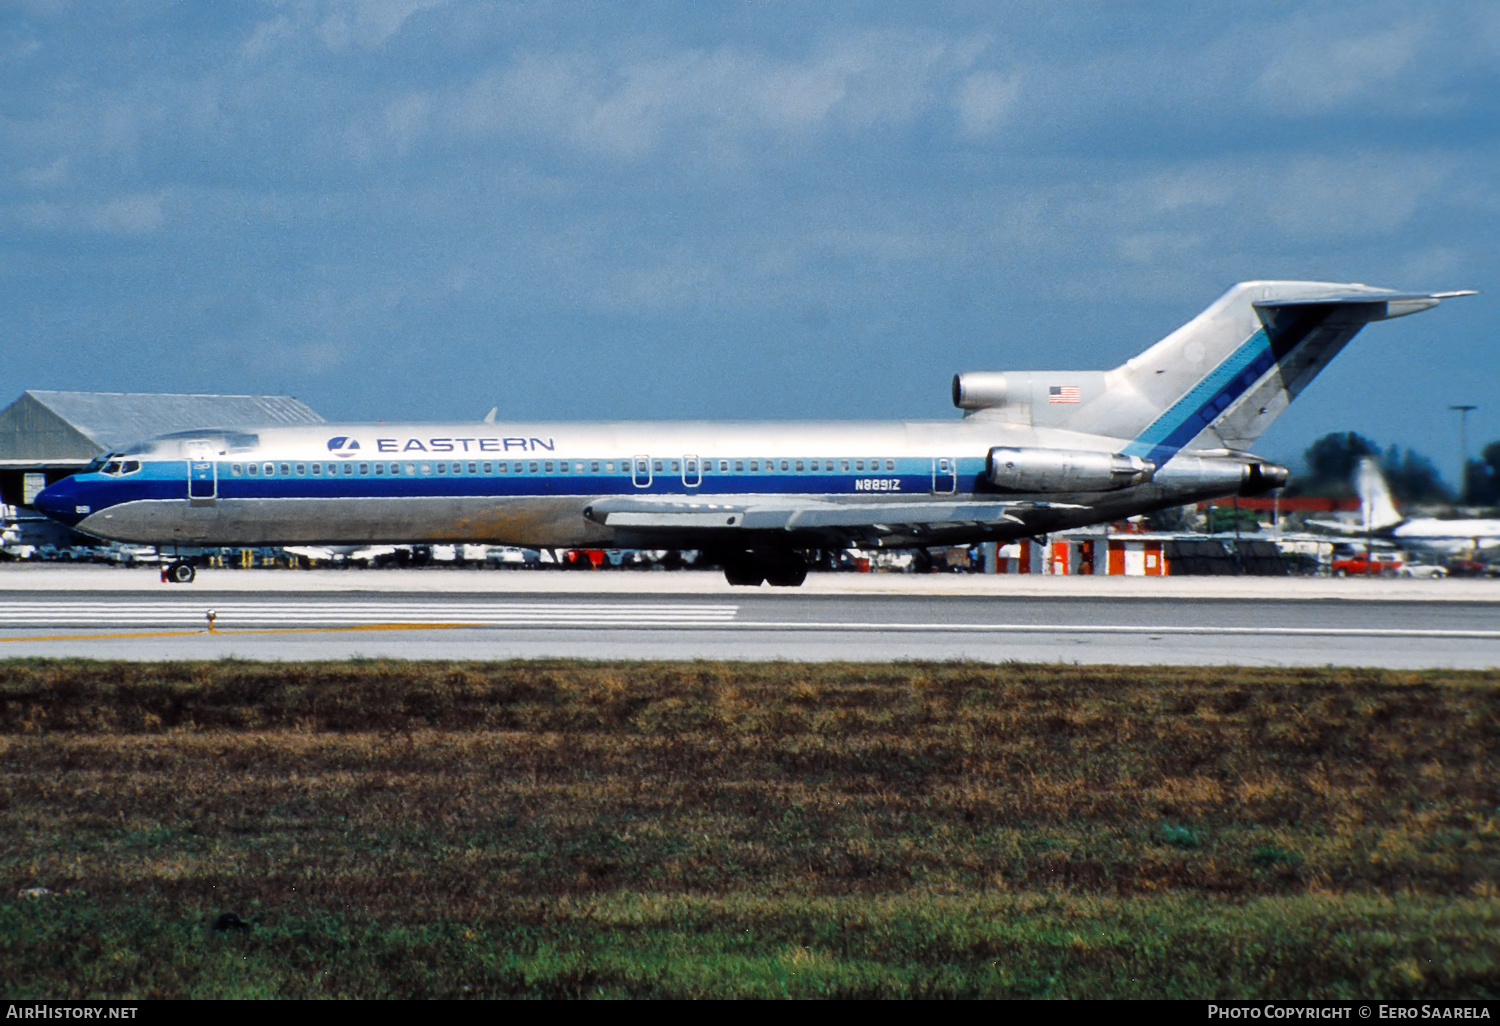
{"points": [[509, 555], [1430, 571]]}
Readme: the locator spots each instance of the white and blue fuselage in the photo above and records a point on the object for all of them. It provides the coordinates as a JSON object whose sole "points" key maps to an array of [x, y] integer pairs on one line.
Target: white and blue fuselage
{"points": [[576, 484]]}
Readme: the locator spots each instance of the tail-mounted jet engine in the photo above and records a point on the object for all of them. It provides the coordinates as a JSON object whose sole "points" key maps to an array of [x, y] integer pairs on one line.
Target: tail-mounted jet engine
{"points": [[1065, 470], [978, 390], [1230, 474]]}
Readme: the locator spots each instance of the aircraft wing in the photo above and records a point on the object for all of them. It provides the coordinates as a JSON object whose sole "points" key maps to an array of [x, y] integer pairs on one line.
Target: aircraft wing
{"points": [[806, 514]]}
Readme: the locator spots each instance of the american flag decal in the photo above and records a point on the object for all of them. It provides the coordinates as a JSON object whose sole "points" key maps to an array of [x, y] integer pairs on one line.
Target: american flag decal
{"points": [[1062, 394]]}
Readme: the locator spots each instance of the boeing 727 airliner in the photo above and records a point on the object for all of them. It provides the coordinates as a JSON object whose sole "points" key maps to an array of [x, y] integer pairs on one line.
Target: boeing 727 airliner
{"points": [[1035, 451]]}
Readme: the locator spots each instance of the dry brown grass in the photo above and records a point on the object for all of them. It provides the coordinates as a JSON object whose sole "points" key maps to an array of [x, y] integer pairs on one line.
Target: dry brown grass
{"points": [[430, 794]]}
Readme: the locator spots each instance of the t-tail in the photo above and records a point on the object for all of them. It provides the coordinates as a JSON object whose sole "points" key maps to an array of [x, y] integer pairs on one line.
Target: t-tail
{"points": [[1216, 383]]}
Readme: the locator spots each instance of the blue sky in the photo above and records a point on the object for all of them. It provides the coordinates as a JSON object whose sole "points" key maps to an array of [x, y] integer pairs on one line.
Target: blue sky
{"points": [[415, 209]]}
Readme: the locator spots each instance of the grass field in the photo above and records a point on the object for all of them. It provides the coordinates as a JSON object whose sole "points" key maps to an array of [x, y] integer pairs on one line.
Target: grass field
{"points": [[700, 829]]}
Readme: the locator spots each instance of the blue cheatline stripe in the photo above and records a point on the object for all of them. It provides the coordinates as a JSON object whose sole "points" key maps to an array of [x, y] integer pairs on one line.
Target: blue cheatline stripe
{"points": [[1205, 401], [167, 479]]}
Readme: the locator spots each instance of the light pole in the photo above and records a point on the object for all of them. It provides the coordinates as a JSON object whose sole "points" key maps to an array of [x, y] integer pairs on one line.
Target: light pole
{"points": [[1463, 444]]}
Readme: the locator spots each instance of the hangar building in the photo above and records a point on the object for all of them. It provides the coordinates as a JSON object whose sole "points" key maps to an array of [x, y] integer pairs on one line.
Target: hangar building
{"points": [[45, 436]]}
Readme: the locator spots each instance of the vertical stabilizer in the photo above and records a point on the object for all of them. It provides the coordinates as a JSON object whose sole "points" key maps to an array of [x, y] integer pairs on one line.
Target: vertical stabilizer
{"points": [[1222, 378], [1377, 509]]}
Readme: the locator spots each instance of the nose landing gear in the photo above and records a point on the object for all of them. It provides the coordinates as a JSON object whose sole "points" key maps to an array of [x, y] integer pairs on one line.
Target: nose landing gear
{"points": [[179, 572]]}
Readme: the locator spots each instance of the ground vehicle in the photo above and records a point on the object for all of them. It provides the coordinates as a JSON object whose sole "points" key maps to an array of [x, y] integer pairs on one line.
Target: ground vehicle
{"points": [[128, 555], [1471, 568], [506, 555], [1430, 571], [1363, 564]]}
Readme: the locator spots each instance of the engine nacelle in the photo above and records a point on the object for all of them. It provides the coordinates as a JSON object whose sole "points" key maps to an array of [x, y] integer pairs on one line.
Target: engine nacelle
{"points": [[982, 390], [1064, 470], [1227, 475]]}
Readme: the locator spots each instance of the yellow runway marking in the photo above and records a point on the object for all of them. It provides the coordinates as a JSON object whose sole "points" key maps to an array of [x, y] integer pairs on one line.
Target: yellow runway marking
{"points": [[270, 630]]}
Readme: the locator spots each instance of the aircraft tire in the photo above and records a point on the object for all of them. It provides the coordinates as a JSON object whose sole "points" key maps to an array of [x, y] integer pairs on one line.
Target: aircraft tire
{"points": [[785, 570], [750, 569], [741, 569], [787, 576], [743, 572], [181, 573]]}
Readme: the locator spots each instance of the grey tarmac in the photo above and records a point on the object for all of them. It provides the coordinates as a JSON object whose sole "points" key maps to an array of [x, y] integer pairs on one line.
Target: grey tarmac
{"points": [[109, 614]]}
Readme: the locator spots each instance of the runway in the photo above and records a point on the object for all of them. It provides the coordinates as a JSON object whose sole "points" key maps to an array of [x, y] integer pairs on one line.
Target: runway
{"points": [[762, 624]]}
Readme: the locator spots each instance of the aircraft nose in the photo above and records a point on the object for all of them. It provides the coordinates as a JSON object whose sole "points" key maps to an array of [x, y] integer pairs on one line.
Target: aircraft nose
{"points": [[61, 501]]}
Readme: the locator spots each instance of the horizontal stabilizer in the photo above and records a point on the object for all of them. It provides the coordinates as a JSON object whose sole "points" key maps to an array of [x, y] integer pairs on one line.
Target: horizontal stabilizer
{"points": [[1365, 306], [1383, 296]]}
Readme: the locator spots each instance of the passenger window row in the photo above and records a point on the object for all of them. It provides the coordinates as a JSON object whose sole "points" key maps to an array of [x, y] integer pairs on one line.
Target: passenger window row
{"points": [[351, 469], [802, 466]]}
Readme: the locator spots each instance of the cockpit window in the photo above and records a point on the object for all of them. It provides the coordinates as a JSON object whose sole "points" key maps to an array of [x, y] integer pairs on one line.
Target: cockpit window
{"points": [[130, 466], [112, 467]]}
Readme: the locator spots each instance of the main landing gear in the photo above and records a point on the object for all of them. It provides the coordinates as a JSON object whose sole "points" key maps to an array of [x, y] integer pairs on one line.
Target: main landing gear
{"points": [[778, 569]]}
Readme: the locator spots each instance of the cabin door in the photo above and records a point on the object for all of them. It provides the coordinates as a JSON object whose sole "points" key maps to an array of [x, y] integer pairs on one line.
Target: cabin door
{"points": [[944, 476], [692, 472], [203, 476], [640, 471]]}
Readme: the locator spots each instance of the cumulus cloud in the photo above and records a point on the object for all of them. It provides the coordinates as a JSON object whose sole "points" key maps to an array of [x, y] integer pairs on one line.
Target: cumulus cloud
{"points": [[1154, 247], [620, 105], [337, 25], [124, 215], [984, 101], [45, 175], [1320, 67], [1356, 195], [366, 23]]}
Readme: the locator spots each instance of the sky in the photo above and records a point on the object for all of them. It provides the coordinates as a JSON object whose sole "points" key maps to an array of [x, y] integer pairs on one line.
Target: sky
{"points": [[417, 209]]}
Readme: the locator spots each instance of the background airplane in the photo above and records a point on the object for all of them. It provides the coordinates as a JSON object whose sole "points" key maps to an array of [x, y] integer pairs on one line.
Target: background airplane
{"points": [[1379, 519], [1035, 451]]}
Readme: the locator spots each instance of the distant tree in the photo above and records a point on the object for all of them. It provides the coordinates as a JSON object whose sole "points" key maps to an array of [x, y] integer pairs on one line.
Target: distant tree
{"points": [[1225, 518], [1330, 465], [1412, 477], [1330, 470], [1482, 478], [1173, 518]]}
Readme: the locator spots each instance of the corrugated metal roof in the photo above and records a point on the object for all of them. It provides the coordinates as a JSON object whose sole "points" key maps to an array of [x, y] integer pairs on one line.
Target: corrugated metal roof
{"points": [[69, 426]]}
